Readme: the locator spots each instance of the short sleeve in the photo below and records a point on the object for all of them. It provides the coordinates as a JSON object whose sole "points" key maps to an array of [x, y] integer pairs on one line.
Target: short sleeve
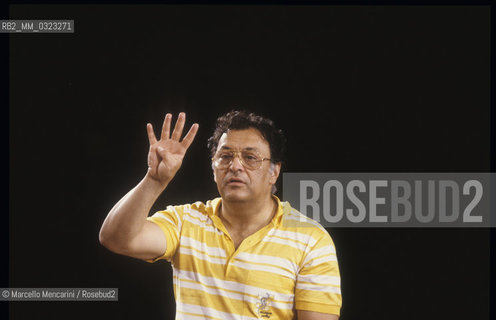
{"points": [[170, 222], [318, 284]]}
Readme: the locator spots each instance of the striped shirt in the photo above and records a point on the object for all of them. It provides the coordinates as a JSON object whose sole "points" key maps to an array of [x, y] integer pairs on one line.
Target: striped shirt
{"points": [[288, 264]]}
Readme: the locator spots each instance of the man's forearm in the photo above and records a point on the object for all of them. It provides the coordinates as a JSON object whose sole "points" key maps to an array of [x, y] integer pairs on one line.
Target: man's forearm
{"points": [[128, 216]]}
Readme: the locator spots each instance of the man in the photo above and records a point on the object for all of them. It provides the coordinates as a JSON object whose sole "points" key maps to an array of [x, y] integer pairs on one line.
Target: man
{"points": [[245, 255]]}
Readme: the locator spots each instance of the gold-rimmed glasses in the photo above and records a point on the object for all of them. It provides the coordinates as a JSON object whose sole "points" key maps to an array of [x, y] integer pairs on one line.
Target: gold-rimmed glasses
{"points": [[250, 159]]}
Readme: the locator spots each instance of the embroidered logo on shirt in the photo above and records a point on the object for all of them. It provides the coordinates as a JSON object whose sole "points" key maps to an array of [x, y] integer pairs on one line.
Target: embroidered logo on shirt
{"points": [[263, 305]]}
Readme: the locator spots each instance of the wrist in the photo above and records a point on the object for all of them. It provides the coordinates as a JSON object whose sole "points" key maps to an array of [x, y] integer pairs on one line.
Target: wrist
{"points": [[153, 184]]}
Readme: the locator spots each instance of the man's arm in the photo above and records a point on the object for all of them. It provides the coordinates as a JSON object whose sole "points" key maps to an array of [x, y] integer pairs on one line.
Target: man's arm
{"points": [[311, 315], [125, 229]]}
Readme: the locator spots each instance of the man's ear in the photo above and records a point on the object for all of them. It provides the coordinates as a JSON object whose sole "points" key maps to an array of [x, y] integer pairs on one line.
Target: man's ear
{"points": [[275, 169], [213, 171]]}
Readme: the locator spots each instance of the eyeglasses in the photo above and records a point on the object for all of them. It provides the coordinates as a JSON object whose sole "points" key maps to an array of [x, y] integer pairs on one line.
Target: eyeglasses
{"points": [[251, 160]]}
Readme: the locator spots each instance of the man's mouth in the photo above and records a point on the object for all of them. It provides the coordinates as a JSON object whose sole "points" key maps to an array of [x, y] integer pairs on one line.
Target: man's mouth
{"points": [[235, 181]]}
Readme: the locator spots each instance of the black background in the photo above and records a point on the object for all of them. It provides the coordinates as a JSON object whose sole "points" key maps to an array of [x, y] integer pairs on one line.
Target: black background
{"points": [[355, 88]]}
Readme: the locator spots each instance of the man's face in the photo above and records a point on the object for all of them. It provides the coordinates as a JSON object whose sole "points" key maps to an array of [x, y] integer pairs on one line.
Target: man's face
{"points": [[236, 182]]}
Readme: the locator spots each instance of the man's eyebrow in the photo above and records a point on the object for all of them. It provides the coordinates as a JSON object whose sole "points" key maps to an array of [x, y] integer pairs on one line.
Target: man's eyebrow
{"points": [[244, 149]]}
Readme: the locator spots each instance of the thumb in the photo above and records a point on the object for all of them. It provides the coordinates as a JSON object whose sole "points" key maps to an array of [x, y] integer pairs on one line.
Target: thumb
{"points": [[162, 152]]}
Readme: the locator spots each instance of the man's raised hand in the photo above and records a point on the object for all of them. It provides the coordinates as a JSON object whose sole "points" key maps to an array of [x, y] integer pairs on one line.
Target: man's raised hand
{"points": [[166, 155]]}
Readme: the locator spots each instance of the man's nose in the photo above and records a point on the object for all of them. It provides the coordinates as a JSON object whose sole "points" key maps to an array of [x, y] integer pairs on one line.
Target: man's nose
{"points": [[236, 163]]}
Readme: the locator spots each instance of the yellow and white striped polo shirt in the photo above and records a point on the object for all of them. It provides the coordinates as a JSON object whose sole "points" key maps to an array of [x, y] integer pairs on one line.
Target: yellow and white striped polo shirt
{"points": [[288, 264]]}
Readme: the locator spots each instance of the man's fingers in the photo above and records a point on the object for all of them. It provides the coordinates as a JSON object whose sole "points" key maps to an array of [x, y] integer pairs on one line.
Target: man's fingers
{"points": [[166, 127], [151, 134], [178, 129], [190, 136]]}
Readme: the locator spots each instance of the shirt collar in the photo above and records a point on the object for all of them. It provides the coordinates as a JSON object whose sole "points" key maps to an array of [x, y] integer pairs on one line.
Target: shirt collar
{"points": [[276, 220]]}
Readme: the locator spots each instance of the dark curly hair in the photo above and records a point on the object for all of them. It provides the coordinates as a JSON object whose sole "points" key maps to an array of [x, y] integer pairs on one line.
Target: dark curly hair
{"points": [[242, 119]]}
